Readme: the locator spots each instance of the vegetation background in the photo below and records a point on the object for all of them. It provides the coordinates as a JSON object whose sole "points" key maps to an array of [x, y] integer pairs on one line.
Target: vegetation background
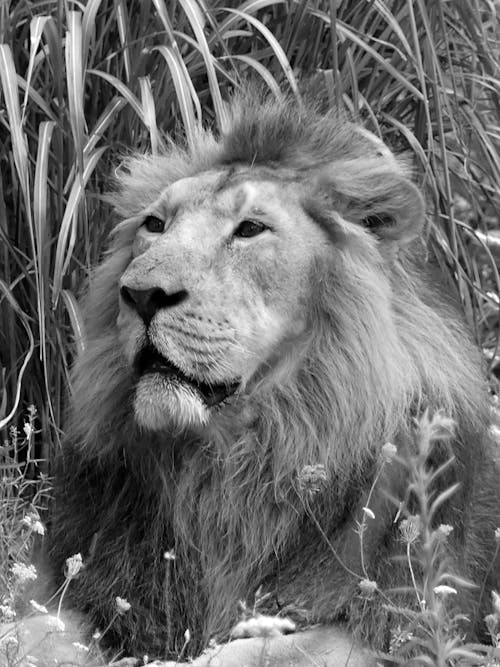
{"points": [[83, 83]]}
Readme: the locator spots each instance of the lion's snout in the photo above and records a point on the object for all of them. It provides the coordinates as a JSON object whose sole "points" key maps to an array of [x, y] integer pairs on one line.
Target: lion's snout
{"points": [[147, 302]]}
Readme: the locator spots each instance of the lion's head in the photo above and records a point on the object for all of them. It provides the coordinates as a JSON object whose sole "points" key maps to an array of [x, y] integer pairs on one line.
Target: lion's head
{"points": [[217, 289], [261, 268], [229, 253]]}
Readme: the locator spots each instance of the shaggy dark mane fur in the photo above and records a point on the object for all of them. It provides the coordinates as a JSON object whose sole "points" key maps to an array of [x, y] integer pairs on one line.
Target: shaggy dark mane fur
{"points": [[384, 344]]}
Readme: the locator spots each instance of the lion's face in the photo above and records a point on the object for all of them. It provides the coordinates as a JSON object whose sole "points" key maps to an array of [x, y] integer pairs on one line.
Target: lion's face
{"points": [[218, 283]]}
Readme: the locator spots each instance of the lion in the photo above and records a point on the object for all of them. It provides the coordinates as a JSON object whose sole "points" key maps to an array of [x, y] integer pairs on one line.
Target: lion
{"points": [[266, 319]]}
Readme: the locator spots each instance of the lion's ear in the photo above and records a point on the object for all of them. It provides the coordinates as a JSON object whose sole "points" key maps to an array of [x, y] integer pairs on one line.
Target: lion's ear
{"points": [[377, 196], [397, 215]]}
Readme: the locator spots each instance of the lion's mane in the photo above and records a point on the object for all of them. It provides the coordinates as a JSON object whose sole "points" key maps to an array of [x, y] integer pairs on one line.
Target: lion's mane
{"points": [[385, 342]]}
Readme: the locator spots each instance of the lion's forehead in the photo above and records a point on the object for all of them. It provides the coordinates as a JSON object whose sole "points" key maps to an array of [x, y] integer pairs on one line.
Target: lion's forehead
{"points": [[226, 191]]}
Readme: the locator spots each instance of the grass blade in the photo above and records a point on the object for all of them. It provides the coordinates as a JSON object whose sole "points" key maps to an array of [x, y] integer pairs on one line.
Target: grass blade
{"points": [[7, 293], [183, 91], [76, 319], [37, 26], [67, 232], [261, 70], [40, 202], [165, 19], [75, 83], [195, 17], [122, 22], [102, 124], [8, 78], [124, 91], [274, 44], [149, 111], [88, 25]]}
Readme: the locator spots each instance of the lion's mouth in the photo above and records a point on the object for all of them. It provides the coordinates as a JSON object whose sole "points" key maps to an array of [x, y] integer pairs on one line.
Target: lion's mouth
{"points": [[149, 360]]}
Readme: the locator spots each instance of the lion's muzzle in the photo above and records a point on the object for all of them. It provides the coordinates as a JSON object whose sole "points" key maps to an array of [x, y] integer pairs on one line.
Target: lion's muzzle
{"points": [[149, 360]]}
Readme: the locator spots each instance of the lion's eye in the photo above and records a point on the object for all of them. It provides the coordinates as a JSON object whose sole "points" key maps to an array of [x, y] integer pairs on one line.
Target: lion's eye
{"points": [[249, 228], [154, 225]]}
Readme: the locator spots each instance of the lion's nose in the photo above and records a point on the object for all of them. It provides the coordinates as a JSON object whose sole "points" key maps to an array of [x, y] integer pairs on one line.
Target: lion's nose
{"points": [[149, 301]]}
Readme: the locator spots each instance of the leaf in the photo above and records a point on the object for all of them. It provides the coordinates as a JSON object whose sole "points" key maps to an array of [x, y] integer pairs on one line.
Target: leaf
{"points": [[149, 112], [7, 293], [442, 497], [124, 91], [263, 72], [165, 19], [36, 97], [195, 17], [67, 231], [74, 81], [122, 22], [37, 26], [8, 77], [76, 319], [275, 46], [180, 78], [40, 202], [102, 124], [88, 25]]}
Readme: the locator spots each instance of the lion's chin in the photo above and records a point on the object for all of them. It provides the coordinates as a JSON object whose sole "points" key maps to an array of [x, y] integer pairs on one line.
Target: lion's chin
{"points": [[163, 403]]}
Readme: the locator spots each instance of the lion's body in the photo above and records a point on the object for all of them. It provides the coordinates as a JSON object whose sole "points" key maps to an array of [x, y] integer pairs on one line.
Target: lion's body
{"points": [[338, 337]]}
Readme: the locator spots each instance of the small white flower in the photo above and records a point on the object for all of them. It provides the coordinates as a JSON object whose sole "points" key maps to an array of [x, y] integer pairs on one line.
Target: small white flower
{"points": [[28, 430], [368, 587], [410, 529], [169, 555], [444, 590], [187, 636], [38, 528], [97, 635], [80, 647], [122, 605], [26, 521], [389, 451], [368, 512], [55, 624], [38, 607], [491, 621], [23, 573], [74, 564], [445, 529]]}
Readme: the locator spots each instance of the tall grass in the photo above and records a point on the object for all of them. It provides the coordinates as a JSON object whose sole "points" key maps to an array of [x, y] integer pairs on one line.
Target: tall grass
{"points": [[83, 83]]}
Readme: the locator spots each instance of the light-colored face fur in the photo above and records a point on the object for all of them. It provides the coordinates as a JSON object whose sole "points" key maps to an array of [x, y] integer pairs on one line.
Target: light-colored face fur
{"points": [[240, 250]]}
